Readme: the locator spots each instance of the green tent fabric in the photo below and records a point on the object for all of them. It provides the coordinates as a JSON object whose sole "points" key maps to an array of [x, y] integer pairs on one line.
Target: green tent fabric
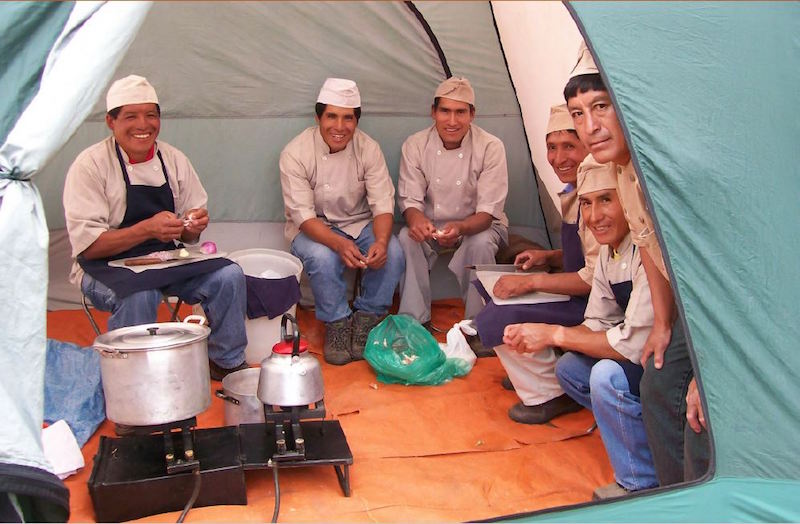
{"points": [[703, 90], [29, 32]]}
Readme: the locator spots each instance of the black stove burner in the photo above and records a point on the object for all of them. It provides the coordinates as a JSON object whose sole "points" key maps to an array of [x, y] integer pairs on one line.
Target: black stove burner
{"points": [[289, 442], [178, 443]]}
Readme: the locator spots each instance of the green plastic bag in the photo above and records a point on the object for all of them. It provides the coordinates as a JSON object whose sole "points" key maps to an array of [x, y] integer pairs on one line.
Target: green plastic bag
{"points": [[401, 351]]}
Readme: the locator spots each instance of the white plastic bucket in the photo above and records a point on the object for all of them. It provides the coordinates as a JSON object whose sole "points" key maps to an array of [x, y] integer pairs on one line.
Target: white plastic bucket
{"points": [[263, 333]]}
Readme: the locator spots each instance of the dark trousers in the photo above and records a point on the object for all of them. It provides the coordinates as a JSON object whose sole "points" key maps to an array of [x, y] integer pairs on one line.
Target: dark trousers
{"points": [[678, 452]]}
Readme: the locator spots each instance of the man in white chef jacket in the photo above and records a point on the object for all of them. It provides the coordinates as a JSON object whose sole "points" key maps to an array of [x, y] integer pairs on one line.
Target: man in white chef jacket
{"points": [[339, 203], [452, 189]]}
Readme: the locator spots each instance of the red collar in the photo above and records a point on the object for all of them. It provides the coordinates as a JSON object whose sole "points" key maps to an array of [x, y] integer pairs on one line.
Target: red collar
{"points": [[149, 156]]}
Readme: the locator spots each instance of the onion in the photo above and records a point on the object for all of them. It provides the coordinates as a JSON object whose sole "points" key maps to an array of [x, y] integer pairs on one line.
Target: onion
{"points": [[209, 248]]}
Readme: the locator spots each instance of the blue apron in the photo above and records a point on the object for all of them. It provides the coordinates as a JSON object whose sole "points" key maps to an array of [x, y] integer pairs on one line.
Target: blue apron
{"points": [[142, 202], [493, 319], [633, 372]]}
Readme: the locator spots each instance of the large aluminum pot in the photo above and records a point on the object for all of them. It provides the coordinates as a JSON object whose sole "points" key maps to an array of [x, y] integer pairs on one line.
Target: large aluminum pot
{"points": [[239, 393], [290, 376], [155, 373]]}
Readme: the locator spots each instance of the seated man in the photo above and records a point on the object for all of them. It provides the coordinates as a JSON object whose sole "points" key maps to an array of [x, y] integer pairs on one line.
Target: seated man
{"points": [[601, 370], [339, 202], [532, 375], [452, 189], [129, 195]]}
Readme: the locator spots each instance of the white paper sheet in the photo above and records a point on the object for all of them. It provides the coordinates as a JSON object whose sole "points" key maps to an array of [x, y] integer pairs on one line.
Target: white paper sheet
{"points": [[489, 278], [162, 265]]}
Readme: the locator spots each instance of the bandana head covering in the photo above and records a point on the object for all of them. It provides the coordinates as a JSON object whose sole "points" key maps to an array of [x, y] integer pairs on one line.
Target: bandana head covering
{"points": [[339, 92], [132, 89], [456, 88]]}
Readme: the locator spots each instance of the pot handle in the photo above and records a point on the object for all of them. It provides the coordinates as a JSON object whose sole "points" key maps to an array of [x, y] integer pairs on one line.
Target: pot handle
{"points": [[199, 318], [295, 338], [221, 394], [108, 351]]}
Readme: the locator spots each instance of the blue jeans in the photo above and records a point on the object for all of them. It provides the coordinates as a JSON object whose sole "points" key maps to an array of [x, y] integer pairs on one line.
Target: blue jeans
{"points": [[325, 270], [222, 292], [601, 386]]}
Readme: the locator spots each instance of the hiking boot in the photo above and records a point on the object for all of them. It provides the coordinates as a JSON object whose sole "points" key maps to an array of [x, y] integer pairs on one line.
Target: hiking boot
{"points": [[609, 491], [218, 372], [542, 413], [478, 348], [362, 325], [337, 342], [506, 383]]}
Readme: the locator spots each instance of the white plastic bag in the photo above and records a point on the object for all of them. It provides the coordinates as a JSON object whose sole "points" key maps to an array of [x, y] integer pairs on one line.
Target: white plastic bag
{"points": [[457, 346]]}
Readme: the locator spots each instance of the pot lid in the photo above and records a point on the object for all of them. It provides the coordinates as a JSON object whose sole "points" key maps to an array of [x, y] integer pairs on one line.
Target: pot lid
{"points": [[150, 337], [284, 347]]}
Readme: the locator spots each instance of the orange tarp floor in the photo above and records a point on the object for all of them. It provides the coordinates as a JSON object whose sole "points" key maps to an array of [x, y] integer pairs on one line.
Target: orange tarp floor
{"points": [[420, 453]]}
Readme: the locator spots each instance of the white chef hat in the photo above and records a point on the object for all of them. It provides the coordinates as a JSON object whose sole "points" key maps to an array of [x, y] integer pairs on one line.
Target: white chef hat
{"points": [[456, 88], [585, 64], [593, 176], [560, 119], [132, 89], [339, 92]]}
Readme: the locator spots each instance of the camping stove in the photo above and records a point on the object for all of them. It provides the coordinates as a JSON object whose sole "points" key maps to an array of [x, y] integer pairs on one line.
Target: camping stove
{"points": [[288, 433], [178, 439]]}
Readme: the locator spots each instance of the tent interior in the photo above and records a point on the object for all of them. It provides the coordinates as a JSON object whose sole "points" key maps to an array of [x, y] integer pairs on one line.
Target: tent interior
{"points": [[235, 84], [237, 80]]}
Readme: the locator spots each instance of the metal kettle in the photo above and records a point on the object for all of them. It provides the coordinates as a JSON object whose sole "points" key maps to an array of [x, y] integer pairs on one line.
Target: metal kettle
{"points": [[290, 376]]}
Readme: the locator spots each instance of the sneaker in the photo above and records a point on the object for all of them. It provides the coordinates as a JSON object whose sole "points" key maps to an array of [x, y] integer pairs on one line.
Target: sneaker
{"points": [[506, 383], [362, 325], [337, 342], [542, 413], [478, 348], [218, 372], [609, 491]]}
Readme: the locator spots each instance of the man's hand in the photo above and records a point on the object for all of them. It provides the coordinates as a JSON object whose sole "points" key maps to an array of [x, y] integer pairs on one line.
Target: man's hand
{"points": [[509, 286], [420, 228], [376, 255], [450, 235], [195, 221], [656, 344], [528, 338], [350, 254], [694, 409], [164, 226], [533, 259]]}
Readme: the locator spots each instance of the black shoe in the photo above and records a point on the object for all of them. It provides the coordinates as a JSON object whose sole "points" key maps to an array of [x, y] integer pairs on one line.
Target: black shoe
{"points": [[338, 340], [218, 372], [542, 413], [506, 383], [433, 330], [478, 348]]}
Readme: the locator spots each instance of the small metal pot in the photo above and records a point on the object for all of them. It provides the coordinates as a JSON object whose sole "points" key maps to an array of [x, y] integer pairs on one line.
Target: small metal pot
{"points": [[155, 373], [239, 393], [290, 376]]}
